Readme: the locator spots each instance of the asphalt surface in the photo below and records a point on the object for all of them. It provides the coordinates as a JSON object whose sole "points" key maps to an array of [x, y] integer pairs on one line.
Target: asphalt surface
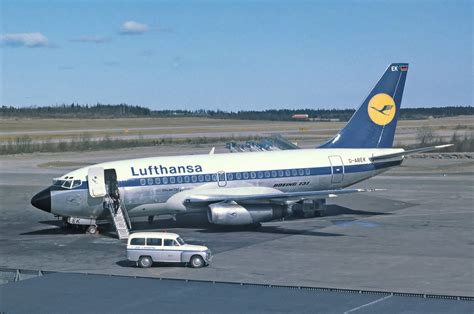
{"points": [[79, 293], [415, 237]]}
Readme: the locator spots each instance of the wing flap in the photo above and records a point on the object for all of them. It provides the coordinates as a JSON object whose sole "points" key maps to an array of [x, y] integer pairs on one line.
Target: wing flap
{"points": [[273, 196]]}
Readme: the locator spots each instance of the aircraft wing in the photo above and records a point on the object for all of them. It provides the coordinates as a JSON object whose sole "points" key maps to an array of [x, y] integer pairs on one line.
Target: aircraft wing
{"points": [[255, 194], [408, 152]]}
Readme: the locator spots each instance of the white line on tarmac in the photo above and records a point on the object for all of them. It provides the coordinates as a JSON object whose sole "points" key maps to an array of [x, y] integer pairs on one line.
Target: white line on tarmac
{"points": [[368, 304]]}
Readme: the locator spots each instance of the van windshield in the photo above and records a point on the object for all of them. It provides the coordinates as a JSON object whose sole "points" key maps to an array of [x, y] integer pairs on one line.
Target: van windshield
{"points": [[180, 241]]}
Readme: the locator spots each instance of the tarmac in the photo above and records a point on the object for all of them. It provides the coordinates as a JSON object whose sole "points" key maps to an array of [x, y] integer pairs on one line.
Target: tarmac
{"points": [[414, 237], [81, 293]]}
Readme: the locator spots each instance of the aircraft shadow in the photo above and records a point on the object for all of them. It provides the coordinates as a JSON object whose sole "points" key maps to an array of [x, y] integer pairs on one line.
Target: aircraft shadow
{"points": [[54, 231], [200, 222], [270, 229], [337, 210], [105, 230]]}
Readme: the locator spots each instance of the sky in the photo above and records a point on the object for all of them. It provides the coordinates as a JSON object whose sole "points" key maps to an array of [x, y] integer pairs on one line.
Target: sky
{"points": [[232, 55]]}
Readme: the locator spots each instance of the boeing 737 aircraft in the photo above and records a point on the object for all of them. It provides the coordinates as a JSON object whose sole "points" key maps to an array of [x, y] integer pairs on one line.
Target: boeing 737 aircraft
{"points": [[243, 188]]}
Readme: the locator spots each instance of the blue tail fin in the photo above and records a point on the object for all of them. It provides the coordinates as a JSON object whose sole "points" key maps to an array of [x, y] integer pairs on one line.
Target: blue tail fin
{"points": [[373, 124]]}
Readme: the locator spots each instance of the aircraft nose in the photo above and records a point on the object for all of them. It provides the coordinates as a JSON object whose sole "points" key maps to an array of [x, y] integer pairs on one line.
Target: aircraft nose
{"points": [[42, 200]]}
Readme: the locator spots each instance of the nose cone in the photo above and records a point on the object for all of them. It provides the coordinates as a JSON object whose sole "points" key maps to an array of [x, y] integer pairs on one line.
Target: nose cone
{"points": [[42, 200]]}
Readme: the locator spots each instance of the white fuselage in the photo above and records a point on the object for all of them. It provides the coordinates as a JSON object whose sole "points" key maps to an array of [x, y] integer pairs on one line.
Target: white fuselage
{"points": [[151, 186]]}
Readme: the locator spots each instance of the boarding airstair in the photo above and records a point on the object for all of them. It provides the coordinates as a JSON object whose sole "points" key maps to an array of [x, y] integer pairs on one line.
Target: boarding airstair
{"points": [[120, 218]]}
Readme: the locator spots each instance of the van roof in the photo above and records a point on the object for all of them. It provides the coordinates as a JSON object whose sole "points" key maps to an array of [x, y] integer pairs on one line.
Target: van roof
{"points": [[167, 235]]}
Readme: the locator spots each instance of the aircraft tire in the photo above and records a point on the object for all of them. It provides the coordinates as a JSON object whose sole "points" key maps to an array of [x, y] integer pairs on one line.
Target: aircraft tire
{"points": [[92, 229]]}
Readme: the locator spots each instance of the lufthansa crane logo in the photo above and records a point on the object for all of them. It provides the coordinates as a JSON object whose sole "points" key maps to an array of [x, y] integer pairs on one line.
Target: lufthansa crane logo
{"points": [[381, 109]]}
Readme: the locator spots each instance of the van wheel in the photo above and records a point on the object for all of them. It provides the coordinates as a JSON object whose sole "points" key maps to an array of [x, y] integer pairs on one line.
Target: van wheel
{"points": [[196, 261], [145, 261]]}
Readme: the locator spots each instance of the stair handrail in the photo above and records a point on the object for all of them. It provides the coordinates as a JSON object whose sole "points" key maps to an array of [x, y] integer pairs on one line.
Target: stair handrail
{"points": [[125, 213]]}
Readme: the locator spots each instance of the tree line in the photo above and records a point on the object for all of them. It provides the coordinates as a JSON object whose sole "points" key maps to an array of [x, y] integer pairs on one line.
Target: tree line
{"points": [[128, 111]]}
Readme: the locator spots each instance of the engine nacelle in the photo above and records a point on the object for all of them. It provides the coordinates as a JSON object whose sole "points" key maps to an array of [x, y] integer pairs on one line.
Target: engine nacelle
{"points": [[235, 214]]}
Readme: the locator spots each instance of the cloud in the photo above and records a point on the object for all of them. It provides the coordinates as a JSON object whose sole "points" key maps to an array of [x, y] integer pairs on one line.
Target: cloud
{"points": [[133, 28], [147, 53], [111, 63], [91, 39], [177, 62], [30, 40]]}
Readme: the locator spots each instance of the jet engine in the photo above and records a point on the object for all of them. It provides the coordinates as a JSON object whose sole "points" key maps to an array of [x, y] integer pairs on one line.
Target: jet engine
{"points": [[231, 213]]}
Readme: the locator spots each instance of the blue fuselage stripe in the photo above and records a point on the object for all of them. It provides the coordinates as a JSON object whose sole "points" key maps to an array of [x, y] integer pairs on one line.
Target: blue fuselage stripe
{"points": [[245, 175]]}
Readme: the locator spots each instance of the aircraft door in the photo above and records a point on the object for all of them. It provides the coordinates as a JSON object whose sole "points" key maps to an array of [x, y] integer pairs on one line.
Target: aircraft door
{"points": [[221, 179], [337, 169], [96, 182], [111, 183]]}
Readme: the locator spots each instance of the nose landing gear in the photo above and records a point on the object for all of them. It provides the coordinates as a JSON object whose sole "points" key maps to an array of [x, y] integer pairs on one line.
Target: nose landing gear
{"points": [[89, 225], [93, 229]]}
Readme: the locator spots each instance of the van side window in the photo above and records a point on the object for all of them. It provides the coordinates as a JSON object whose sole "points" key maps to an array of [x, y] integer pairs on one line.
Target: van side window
{"points": [[137, 241], [154, 241], [169, 242]]}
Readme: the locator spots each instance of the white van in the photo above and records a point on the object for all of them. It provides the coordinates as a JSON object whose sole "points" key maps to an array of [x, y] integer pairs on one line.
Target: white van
{"points": [[145, 248]]}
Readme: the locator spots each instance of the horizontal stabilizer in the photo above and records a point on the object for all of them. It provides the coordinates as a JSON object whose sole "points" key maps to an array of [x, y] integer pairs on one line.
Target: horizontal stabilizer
{"points": [[409, 152], [277, 196]]}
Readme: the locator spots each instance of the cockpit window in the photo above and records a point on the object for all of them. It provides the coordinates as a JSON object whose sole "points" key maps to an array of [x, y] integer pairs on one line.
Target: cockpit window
{"points": [[76, 183], [68, 183]]}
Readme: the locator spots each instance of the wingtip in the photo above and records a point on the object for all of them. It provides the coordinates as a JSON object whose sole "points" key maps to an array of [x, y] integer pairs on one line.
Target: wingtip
{"points": [[443, 146], [371, 190]]}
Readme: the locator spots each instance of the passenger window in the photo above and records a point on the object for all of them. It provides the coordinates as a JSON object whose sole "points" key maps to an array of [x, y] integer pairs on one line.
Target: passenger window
{"points": [[172, 180], [253, 175], [208, 178], [294, 172], [281, 173], [187, 179], [301, 172], [274, 174], [194, 178], [238, 176], [169, 242], [214, 177], [164, 180], [267, 174], [179, 179], [287, 173], [230, 176], [307, 172], [154, 241], [137, 241], [200, 178], [150, 181], [260, 174], [142, 181], [157, 181], [246, 175]]}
